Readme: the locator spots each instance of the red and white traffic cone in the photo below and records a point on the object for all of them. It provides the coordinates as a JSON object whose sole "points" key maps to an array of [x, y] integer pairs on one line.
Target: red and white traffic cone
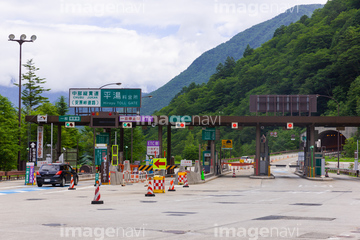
{"points": [[233, 173], [172, 187], [185, 181], [150, 192], [72, 183], [97, 196]]}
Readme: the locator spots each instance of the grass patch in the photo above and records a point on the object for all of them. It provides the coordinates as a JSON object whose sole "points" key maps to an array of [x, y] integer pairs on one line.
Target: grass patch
{"points": [[342, 159]]}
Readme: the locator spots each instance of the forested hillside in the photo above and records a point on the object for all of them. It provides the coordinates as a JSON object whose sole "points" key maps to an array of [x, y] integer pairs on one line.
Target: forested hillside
{"points": [[317, 55], [205, 65]]}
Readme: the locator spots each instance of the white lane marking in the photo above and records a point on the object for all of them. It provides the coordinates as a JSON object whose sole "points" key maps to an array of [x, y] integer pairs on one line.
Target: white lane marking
{"points": [[191, 199], [66, 190], [21, 186]]}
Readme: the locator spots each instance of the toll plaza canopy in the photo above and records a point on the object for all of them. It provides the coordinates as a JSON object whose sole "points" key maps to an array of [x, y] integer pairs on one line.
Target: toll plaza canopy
{"points": [[310, 122], [243, 121]]}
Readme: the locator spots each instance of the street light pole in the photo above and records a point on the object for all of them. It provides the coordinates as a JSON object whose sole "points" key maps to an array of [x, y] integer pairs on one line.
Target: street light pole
{"points": [[20, 41], [338, 137], [119, 83]]}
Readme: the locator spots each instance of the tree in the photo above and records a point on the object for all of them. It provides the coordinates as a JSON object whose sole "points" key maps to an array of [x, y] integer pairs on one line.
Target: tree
{"points": [[31, 95], [279, 31], [61, 105], [9, 133], [248, 51]]}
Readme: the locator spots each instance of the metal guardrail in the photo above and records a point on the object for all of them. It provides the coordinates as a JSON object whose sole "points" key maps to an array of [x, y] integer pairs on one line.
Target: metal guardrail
{"points": [[9, 174]]}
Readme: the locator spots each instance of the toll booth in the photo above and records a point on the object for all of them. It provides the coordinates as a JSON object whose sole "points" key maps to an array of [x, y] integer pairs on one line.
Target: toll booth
{"points": [[264, 160], [206, 161]]}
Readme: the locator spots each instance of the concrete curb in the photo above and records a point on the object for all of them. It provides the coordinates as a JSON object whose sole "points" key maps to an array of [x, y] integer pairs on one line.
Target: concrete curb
{"points": [[86, 177], [262, 177], [314, 178]]}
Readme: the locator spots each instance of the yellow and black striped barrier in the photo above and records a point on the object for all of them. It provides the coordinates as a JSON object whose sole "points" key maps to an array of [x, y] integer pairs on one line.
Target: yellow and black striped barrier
{"points": [[171, 167], [145, 168], [150, 167]]}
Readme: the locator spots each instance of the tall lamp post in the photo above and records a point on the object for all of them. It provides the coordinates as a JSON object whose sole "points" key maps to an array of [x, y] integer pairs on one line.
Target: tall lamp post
{"points": [[118, 83], [338, 138], [94, 132], [20, 41]]}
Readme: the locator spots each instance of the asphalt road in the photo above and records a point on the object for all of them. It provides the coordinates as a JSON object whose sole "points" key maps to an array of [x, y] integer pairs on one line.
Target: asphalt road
{"points": [[287, 207]]}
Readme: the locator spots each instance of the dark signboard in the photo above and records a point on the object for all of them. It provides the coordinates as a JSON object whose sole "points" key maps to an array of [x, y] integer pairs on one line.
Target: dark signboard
{"points": [[32, 151], [283, 103]]}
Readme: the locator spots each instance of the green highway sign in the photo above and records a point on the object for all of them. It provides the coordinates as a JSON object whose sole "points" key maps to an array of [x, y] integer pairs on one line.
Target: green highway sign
{"points": [[102, 138], [69, 118], [209, 134], [121, 97], [109, 97], [84, 97]]}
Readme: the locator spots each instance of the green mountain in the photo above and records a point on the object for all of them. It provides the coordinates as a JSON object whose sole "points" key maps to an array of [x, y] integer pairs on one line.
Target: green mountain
{"points": [[317, 55], [205, 65]]}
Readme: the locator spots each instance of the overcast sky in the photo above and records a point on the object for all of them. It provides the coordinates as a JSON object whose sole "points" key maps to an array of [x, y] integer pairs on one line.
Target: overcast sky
{"points": [[140, 43]]}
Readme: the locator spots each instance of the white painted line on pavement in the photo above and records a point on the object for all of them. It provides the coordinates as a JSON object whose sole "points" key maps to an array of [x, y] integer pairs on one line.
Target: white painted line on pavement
{"points": [[191, 199], [66, 190], [21, 186]]}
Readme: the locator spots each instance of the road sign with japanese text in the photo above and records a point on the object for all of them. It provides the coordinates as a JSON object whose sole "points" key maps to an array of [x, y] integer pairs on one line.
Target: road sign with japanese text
{"points": [[120, 98]]}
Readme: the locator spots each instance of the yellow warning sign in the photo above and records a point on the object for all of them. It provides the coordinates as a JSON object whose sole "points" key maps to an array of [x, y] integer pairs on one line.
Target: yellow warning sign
{"points": [[226, 143]]}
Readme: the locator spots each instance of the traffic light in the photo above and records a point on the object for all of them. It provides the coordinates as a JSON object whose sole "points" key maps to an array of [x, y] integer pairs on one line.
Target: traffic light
{"points": [[180, 125], [235, 125], [289, 125], [69, 124], [127, 125]]}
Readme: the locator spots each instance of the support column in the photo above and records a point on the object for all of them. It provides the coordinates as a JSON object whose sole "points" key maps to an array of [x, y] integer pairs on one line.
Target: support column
{"points": [[257, 155], [312, 143], [212, 164], [132, 136], [307, 150], [160, 133], [58, 148], [168, 154], [121, 146], [94, 142]]}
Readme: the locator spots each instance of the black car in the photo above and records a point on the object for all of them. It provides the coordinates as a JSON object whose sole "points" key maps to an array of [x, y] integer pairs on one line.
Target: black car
{"points": [[56, 173]]}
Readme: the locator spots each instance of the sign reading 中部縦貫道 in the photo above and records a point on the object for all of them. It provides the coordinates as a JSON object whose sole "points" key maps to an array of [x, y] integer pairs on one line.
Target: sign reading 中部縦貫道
{"points": [[84, 97], [94, 97]]}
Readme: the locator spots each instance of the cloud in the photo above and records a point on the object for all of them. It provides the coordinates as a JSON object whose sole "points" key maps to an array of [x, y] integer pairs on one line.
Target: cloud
{"points": [[141, 43]]}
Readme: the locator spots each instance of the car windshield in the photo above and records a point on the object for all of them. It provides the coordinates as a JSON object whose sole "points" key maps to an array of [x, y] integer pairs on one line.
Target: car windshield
{"points": [[49, 168]]}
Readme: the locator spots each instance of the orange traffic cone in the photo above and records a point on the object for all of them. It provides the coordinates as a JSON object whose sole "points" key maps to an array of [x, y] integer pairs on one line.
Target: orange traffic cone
{"points": [[97, 196], [150, 192], [233, 173], [72, 184], [172, 187]]}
